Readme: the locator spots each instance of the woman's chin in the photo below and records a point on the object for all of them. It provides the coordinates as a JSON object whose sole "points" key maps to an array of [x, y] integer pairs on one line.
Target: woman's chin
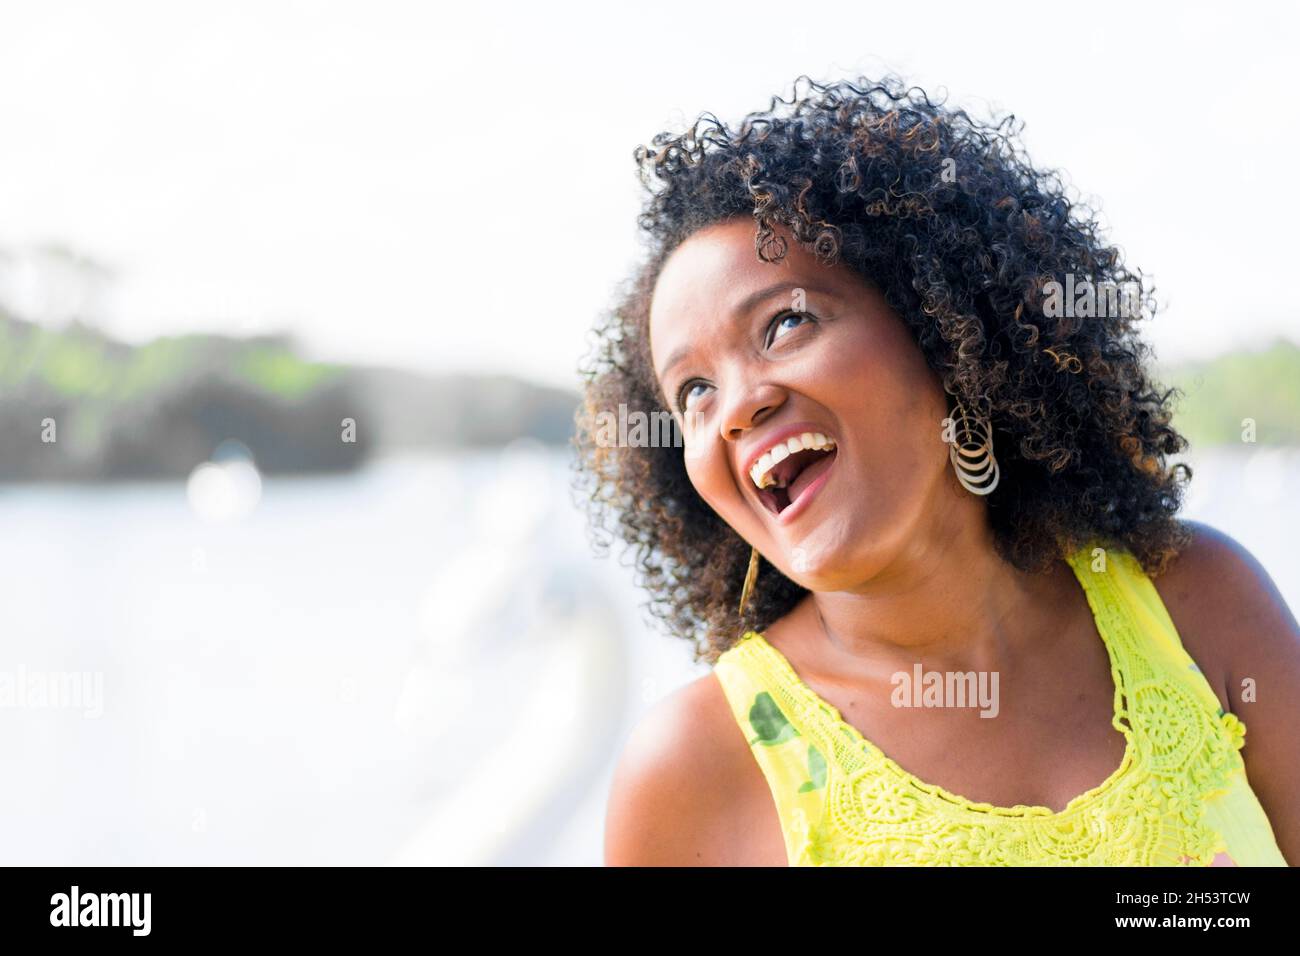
{"points": [[820, 575], [841, 569]]}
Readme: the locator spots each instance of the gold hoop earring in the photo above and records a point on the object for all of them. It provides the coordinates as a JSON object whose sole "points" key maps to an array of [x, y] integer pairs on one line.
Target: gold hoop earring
{"points": [[750, 577], [971, 452]]}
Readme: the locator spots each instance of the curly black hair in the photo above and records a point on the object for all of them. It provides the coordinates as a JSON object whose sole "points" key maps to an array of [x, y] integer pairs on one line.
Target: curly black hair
{"points": [[946, 215]]}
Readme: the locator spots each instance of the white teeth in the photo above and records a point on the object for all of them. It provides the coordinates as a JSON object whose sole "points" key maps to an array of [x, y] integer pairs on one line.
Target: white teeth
{"points": [[761, 473]]}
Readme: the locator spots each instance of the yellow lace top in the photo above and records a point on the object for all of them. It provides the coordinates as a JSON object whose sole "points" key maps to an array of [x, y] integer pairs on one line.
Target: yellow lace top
{"points": [[1179, 797]]}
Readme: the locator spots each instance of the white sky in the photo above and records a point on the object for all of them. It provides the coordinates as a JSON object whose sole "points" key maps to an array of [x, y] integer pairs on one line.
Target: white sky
{"points": [[361, 173]]}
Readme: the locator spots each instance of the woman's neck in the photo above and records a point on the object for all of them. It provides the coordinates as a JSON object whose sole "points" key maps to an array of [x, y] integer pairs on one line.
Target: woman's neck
{"points": [[948, 599]]}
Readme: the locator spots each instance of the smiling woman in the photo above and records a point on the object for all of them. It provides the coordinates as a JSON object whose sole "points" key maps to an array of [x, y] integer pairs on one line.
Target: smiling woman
{"points": [[896, 458]]}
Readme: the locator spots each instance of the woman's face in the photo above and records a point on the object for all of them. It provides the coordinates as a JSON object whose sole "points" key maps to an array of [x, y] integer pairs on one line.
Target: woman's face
{"points": [[749, 354]]}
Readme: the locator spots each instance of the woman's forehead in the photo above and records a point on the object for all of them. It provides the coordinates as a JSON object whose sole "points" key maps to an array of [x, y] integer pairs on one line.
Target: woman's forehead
{"points": [[709, 275], [716, 275], [706, 264]]}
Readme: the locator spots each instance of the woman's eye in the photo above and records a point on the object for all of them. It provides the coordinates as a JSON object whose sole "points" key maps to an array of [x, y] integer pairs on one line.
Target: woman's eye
{"points": [[780, 322], [684, 396]]}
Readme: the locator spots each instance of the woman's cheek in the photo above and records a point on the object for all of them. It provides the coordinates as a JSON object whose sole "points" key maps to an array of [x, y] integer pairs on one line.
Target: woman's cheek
{"points": [[695, 445], [710, 474], [707, 468]]}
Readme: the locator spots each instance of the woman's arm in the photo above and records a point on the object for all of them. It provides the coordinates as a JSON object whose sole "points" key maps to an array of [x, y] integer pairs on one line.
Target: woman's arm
{"points": [[1234, 622], [677, 793]]}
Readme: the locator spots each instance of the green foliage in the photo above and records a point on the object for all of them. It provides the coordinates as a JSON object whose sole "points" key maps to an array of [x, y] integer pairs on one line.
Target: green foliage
{"points": [[1220, 393], [155, 410], [281, 372], [156, 364], [80, 363]]}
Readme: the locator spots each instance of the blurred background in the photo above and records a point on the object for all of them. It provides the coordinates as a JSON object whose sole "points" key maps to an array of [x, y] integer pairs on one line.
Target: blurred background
{"points": [[292, 298]]}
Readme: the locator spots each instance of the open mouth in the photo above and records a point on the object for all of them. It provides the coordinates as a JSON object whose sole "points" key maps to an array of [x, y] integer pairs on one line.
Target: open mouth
{"points": [[793, 475]]}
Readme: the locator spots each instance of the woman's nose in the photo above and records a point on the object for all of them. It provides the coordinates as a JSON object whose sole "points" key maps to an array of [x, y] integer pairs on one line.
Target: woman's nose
{"points": [[750, 406]]}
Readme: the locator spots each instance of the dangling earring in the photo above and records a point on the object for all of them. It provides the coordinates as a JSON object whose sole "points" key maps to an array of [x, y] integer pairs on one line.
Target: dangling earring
{"points": [[750, 577], [971, 452]]}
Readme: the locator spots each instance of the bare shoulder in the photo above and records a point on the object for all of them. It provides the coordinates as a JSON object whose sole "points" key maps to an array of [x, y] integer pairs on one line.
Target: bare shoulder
{"points": [[1228, 611], [684, 785]]}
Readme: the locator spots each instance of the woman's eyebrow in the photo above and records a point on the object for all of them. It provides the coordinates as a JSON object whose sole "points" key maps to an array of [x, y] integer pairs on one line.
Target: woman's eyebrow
{"points": [[747, 305], [752, 300]]}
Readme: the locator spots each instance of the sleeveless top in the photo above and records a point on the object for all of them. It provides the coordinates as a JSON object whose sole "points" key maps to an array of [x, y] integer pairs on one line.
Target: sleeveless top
{"points": [[1179, 797]]}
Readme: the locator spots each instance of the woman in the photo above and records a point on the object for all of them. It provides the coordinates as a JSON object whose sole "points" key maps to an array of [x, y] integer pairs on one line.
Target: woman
{"points": [[920, 520]]}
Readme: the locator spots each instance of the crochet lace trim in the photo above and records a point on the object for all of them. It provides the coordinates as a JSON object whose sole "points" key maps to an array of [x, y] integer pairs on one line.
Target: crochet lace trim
{"points": [[1147, 812]]}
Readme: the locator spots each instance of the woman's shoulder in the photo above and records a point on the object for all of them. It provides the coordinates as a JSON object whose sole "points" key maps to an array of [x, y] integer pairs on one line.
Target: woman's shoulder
{"points": [[686, 790], [1226, 608], [1223, 601]]}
